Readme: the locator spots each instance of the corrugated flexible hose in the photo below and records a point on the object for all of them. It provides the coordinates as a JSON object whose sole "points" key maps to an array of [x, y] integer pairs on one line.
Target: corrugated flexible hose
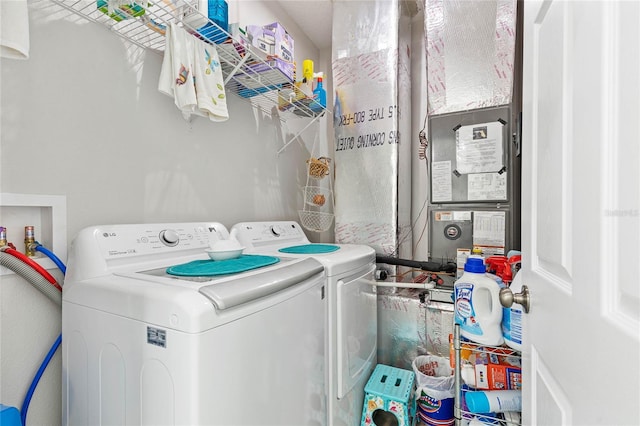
{"points": [[32, 276]]}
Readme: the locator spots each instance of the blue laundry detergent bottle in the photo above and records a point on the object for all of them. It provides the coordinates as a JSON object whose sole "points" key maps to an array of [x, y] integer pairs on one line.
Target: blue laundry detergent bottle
{"points": [[477, 304], [512, 318], [319, 97]]}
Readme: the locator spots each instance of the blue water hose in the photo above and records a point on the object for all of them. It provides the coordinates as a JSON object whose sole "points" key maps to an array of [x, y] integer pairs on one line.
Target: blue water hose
{"points": [[42, 249], [36, 379]]}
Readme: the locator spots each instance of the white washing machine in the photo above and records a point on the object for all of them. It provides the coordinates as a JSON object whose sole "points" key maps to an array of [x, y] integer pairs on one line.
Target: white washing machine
{"points": [[351, 310], [154, 333]]}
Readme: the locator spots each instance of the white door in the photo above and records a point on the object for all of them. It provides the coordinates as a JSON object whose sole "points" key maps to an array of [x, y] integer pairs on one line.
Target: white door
{"points": [[581, 212]]}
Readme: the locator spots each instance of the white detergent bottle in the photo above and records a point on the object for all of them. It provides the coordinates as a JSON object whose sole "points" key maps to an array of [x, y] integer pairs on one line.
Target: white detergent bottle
{"points": [[477, 304], [512, 318]]}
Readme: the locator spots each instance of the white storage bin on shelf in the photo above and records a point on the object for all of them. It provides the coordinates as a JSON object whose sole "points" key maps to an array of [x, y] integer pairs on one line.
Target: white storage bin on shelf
{"points": [[247, 72]]}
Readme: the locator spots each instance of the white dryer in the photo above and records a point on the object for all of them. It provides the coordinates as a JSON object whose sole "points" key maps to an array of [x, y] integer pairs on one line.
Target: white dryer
{"points": [[153, 334], [351, 338]]}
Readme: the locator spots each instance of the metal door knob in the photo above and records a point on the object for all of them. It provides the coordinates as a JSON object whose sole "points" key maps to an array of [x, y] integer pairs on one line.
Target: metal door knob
{"points": [[508, 298]]}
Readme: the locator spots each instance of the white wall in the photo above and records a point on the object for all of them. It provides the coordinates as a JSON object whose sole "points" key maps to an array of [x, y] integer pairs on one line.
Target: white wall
{"points": [[83, 118]]}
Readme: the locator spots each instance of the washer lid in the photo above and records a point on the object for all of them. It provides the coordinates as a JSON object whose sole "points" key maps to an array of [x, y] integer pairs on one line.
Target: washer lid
{"points": [[244, 289]]}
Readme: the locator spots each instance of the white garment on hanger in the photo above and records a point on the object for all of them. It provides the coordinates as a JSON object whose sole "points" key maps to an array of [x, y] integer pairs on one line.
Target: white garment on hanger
{"points": [[209, 81], [176, 75], [14, 29]]}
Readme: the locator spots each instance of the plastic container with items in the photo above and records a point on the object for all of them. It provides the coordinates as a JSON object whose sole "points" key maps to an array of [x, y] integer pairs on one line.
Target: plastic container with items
{"points": [[488, 391], [435, 390]]}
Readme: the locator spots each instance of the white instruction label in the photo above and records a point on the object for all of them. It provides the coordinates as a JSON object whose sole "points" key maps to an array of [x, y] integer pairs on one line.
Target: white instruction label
{"points": [[479, 148], [487, 186], [489, 232], [441, 181]]}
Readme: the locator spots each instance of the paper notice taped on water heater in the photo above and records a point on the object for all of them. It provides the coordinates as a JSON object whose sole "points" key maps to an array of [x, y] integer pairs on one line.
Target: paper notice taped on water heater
{"points": [[479, 148], [489, 232], [441, 181], [487, 186]]}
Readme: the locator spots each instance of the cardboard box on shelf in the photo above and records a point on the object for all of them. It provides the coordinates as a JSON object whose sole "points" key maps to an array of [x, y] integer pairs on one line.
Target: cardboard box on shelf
{"points": [[273, 39], [496, 371], [488, 368]]}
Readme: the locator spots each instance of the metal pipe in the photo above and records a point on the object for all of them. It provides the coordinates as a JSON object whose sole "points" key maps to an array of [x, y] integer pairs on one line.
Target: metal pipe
{"points": [[424, 286], [425, 266], [457, 411]]}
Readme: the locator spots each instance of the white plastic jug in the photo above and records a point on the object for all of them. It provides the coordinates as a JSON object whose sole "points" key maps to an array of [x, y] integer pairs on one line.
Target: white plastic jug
{"points": [[477, 304], [512, 318]]}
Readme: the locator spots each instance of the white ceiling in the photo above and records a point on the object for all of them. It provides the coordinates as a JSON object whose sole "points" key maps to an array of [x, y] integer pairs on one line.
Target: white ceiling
{"points": [[315, 17]]}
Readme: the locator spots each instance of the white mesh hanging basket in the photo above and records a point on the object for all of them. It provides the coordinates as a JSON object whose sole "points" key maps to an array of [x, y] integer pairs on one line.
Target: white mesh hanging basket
{"points": [[315, 221], [318, 167], [318, 197]]}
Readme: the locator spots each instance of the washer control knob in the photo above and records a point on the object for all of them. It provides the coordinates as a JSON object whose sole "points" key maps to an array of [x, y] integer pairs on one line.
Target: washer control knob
{"points": [[277, 230], [169, 237]]}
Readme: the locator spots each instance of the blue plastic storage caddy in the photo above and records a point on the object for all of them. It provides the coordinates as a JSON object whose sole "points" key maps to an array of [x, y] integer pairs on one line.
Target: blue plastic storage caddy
{"points": [[389, 389], [9, 416]]}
